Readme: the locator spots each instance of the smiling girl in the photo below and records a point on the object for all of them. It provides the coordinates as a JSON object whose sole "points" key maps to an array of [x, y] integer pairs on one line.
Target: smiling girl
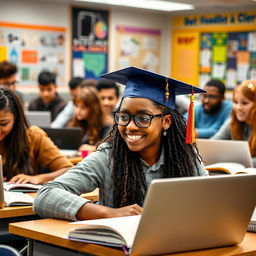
{"points": [[26, 149], [146, 142], [89, 116], [242, 124]]}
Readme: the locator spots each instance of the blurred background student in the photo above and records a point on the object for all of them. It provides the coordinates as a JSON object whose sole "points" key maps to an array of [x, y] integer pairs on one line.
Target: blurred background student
{"points": [[66, 114], [8, 77], [242, 123], [26, 149], [75, 85], [213, 111], [89, 116], [108, 92], [49, 99]]}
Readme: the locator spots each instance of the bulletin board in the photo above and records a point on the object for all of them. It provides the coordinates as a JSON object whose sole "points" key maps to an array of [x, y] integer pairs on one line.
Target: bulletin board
{"points": [[230, 57], [89, 42], [224, 46], [33, 49], [138, 47]]}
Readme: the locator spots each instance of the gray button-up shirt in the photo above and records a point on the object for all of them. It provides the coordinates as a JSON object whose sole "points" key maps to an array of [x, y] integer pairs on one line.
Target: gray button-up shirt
{"points": [[60, 198]]}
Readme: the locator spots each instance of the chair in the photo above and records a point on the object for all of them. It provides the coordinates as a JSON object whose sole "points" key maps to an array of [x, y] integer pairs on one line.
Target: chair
{"points": [[6, 250]]}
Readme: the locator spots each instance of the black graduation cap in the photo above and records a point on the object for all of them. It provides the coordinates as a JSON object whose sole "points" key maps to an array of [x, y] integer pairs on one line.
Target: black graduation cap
{"points": [[141, 83]]}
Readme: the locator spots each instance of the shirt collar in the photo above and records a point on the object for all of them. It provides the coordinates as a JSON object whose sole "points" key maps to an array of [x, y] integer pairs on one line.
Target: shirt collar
{"points": [[156, 165]]}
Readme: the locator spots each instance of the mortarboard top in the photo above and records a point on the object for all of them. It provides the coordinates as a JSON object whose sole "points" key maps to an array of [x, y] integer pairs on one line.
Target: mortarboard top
{"points": [[141, 83]]}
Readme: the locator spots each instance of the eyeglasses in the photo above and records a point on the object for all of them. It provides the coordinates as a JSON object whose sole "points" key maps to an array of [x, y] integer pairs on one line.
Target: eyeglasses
{"points": [[141, 120], [9, 84], [208, 96]]}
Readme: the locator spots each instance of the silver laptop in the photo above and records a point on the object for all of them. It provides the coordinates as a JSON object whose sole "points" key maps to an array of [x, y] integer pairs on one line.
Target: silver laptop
{"points": [[39, 118], [184, 214], [215, 151]]}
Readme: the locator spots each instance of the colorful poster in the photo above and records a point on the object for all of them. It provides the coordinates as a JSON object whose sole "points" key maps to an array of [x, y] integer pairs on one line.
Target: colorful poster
{"points": [[219, 47], [34, 48], [89, 42], [232, 57], [138, 47]]}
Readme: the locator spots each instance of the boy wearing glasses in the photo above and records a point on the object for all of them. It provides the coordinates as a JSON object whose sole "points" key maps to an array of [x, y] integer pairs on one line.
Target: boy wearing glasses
{"points": [[146, 142], [213, 111], [8, 77]]}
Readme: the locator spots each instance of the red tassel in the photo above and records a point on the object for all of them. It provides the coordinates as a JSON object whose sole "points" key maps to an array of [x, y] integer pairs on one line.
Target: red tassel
{"points": [[190, 132]]}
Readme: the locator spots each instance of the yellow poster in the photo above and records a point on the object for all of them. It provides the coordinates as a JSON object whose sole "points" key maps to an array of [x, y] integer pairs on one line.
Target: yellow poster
{"points": [[185, 57], [3, 53]]}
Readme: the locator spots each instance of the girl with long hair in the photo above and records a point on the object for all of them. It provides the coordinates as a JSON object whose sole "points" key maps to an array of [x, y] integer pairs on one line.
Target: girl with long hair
{"points": [[242, 124], [146, 142], [26, 149], [89, 116]]}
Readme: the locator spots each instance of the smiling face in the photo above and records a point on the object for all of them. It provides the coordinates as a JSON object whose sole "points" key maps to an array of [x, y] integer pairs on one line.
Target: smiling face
{"points": [[146, 141], [242, 105], [108, 99], [6, 123]]}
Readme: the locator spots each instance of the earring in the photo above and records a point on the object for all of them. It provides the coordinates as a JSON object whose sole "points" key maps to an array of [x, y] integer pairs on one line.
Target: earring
{"points": [[164, 133]]}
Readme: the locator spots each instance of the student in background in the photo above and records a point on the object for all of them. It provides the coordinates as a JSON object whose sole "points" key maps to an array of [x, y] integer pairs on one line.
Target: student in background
{"points": [[242, 123], [89, 116], [49, 99], [25, 149], [213, 111], [8, 77], [146, 142], [65, 116], [108, 92]]}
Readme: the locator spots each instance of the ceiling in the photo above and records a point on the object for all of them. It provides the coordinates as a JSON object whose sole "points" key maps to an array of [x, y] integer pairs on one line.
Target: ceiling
{"points": [[201, 6]]}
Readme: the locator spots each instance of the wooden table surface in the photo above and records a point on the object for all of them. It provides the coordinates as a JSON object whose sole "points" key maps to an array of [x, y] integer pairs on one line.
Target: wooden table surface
{"points": [[42, 230], [16, 211]]}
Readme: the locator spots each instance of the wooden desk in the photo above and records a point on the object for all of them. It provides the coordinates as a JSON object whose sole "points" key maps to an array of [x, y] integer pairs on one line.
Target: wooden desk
{"points": [[22, 213], [17, 211], [50, 235]]}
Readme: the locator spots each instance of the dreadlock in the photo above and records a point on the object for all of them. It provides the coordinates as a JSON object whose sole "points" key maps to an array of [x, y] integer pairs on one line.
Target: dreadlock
{"points": [[128, 177]]}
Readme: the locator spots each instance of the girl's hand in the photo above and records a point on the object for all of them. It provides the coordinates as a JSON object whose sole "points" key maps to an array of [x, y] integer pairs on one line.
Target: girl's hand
{"points": [[23, 178], [129, 210], [94, 211]]}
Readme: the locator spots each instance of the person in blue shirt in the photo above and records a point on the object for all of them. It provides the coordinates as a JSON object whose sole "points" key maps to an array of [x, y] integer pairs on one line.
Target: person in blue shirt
{"points": [[213, 111]]}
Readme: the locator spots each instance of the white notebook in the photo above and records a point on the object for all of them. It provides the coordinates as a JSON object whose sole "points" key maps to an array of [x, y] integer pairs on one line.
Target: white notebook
{"points": [[12, 198]]}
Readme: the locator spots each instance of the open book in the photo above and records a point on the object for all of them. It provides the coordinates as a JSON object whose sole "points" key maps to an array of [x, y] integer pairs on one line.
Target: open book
{"points": [[116, 232], [17, 198], [17, 187], [229, 168]]}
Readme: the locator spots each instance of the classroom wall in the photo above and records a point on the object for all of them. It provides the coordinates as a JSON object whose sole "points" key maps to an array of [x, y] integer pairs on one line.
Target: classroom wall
{"points": [[58, 14]]}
